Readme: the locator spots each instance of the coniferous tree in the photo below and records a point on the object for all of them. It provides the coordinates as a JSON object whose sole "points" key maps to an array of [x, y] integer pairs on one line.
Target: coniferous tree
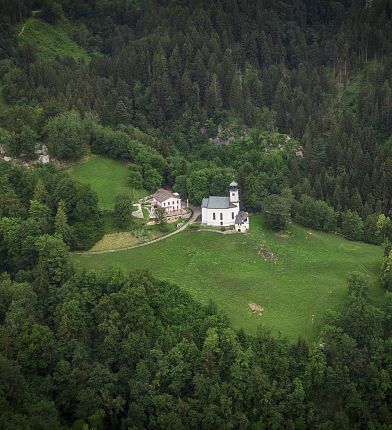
{"points": [[61, 226]]}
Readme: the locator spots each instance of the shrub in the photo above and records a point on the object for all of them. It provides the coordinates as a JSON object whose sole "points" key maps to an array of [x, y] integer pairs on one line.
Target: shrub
{"points": [[313, 213], [352, 225], [277, 211]]}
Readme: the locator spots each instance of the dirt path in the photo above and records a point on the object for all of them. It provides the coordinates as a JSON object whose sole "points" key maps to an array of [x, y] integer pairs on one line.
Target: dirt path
{"points": [[195, 213], [21, 31]]}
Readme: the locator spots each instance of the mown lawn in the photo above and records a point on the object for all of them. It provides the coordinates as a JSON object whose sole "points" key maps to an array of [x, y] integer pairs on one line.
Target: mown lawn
{"points": [[307, 279], [107, 178]]}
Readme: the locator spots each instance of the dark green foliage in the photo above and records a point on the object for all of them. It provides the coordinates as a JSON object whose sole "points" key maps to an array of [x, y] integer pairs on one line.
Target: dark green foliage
{"points": [[315, 214], [23, 143], [51, 11], [54, 264], [277, 211], [135, 176], [352, 225], [154, 353], [386, 271], [208, 181], [371, 232], [30, 204], [67, 136], [61, 227], [160, 218], [122, 214]]}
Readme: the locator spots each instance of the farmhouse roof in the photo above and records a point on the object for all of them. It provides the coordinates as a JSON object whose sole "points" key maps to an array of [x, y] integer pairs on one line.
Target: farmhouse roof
{"points": [[217, 202], [161, 195], [241, 217]]}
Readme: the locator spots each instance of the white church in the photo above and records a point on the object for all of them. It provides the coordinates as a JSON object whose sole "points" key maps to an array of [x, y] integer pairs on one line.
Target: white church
{"points": [[224, 211]]}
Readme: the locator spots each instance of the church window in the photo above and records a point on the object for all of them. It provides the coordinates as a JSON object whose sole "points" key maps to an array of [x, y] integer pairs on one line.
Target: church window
{"points": [[233, 194], [232, 215], [213, 216], [221, 215]]}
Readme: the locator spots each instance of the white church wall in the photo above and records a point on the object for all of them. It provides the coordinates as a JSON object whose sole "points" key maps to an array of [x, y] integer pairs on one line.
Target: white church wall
{"points": [[223, 217]]}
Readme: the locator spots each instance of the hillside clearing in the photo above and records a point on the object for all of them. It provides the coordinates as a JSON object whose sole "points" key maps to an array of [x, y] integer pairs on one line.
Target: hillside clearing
{"points": [[51, 40], [295, 290], [107, 177]]}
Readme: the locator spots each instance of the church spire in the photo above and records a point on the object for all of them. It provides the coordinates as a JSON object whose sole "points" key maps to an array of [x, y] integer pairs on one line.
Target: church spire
{"points": [[233, 193]]}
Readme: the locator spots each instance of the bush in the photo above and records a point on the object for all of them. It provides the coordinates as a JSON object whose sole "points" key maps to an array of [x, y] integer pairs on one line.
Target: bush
{"points": [[313, 213], [122, 215], [386, 272], [371, 233], [277, 211], [68, 136], [352, 225]]}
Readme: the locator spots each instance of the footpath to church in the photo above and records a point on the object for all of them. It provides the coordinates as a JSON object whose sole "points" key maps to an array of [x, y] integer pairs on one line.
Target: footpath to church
{"points": [[195, 214]]}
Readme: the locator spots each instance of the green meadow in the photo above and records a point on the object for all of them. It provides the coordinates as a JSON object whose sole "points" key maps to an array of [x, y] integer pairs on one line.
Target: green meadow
{"points": [[107, 177], [307, 278], [51, 40]]}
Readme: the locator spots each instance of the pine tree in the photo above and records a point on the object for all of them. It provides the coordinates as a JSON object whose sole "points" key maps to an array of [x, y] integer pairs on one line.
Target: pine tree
{"points": [[236, 101], [122, 113], [161, 98], [386, 111], [213, 95], [61, 226], [281, 105], [199, 72], [356, 202], [41, 214], [40, 192]]}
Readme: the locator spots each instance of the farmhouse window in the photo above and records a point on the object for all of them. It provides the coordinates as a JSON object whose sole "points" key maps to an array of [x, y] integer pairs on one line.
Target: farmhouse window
{"points": [[221, 215], [213, 216], [233, 194]]}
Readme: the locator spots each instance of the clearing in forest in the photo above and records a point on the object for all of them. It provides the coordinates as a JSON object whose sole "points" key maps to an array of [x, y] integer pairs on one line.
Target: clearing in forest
{"points": [[107, 177], [307, 278]]}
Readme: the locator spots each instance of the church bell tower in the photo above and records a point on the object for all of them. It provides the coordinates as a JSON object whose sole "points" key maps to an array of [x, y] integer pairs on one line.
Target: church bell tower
{"points": [[234, 196]]}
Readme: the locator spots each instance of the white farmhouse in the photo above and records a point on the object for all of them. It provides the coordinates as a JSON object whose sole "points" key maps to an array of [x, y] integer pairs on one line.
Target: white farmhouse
{"points": [[218, 211], [167, 200]]}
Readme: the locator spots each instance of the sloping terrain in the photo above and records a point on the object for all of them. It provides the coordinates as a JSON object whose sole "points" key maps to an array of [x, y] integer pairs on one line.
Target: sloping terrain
{"points": [[306, 277]]}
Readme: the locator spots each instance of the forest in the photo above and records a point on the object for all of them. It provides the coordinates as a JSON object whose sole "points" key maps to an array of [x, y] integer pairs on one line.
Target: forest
{"points": [[293, 99]]}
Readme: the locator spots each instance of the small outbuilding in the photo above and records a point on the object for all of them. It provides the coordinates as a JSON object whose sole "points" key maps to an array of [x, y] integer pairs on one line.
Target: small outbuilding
{"points": [[242, 222]]}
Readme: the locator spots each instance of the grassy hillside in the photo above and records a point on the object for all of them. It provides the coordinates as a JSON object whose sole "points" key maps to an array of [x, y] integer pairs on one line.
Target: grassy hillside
{"points": [[107, 178], [52, 40], [296, 290]]}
